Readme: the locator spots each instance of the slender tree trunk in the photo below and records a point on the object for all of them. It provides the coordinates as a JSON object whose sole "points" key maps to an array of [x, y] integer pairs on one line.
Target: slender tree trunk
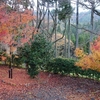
{"points": [[26, 5], [48, 17], [33, 20], [37, 19], [77, 22], [65, 50], [44, 18], [91, 35], [55, 29], [69, 36]]}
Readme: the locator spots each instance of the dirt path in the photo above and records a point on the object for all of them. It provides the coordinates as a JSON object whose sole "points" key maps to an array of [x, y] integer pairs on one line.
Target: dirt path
{"points": [[46, 87]]}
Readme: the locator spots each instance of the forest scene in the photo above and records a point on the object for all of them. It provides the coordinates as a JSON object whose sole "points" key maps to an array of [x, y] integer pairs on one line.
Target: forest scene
{"points": [[49, 49]]}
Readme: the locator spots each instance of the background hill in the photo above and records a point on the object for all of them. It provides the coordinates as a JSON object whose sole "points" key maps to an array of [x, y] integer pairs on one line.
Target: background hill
{"points": [[84, 17]]}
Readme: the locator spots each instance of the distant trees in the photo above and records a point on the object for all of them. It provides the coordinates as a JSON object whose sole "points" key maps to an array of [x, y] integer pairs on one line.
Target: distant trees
{"points": [[91, 4], [60, 11]]}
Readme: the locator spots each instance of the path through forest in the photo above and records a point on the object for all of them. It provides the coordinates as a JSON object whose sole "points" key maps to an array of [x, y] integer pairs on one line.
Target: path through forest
{"points": [[46, 87]]}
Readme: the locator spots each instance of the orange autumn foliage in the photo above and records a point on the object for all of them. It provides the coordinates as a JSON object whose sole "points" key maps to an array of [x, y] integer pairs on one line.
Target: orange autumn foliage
{"points": [[3, 58], [90, 61], [15, 26]]}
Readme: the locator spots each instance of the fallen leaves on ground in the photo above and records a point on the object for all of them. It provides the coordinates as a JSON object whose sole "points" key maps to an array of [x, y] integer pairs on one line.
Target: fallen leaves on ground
{"points": [[46, 86]]}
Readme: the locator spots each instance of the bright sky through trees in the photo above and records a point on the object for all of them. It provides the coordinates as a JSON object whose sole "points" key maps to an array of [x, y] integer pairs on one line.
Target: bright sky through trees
{"points": [[81, 9]]}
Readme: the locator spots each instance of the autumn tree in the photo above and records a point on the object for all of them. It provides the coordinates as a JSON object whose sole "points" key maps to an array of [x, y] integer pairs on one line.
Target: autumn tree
{"points": [[90, 61], [15, 30], [15, 27]]}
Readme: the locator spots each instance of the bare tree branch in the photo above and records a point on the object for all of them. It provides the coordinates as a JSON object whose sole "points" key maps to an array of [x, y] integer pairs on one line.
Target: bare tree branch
{"points": [[41, 20], [94, 10], [82, 4], [59, 38], [85, 29]]}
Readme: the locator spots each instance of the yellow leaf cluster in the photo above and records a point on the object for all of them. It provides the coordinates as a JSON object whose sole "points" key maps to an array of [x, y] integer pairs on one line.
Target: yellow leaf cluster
{"points": [[90, 61], [79, 52], [84, 62]]}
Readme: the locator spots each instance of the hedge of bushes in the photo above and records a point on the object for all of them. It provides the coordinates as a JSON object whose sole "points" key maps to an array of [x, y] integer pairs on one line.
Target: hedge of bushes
{"points": [[67, 67]]}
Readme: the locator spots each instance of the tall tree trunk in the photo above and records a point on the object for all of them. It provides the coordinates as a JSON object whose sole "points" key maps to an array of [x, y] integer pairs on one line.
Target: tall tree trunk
{"points": [[69, 37], [37, 19], [55, 29], [65, 50], [77, 22], [26, 4], [33, 20], [91, 35], [48, 17]]}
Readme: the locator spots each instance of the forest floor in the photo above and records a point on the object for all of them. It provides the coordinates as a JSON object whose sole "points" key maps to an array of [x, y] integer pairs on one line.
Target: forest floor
{"points": [[46, 86]]}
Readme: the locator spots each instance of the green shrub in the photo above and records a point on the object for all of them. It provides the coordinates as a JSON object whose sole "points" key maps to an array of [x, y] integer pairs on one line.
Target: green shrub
{"points": [[37, 54], [17, 62], [61, 65], [33, 70], [67, 66]]}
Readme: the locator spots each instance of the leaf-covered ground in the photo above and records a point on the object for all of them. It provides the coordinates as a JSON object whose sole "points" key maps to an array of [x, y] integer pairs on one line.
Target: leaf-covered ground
{"points": [[46, 86]]}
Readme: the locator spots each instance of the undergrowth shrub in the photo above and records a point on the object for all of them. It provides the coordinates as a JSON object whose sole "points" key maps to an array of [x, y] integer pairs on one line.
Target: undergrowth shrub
{"points": [[61, 65], [17, 62], [33, 70], [65, 66]]}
